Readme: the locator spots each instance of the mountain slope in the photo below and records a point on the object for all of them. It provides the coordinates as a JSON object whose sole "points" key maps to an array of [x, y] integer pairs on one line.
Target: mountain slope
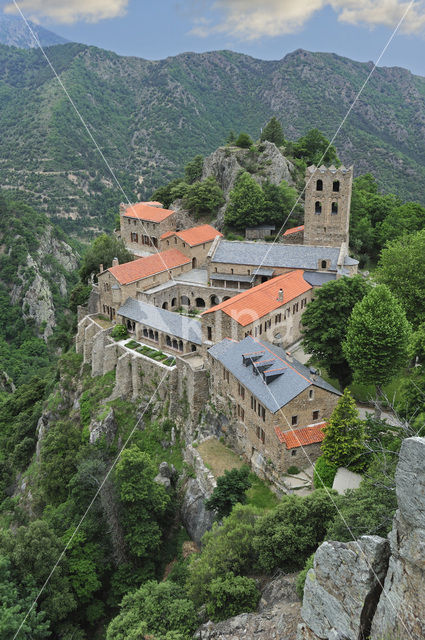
{"points": [[14, 32], [150, 117]]}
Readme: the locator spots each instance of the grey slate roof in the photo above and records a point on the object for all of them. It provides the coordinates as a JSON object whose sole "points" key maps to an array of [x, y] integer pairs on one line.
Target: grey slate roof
{"points": [[287, 378], [294, 256], [162, 320], [231, 277], [318, 278]]}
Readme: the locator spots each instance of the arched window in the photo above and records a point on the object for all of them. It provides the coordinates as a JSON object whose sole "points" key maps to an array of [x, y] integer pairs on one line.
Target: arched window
{"points": [[165, 305], [200, 303], [145, 332], [226, 298], [168, 341], [194, 263], [214, 300], [319, 185], [175, 344], [156, 336], [151, 335], [185, 301], [180, 345], [318, 207], [173, 302], [324, 264], [334, 208], [193, 347], [335, 186]]}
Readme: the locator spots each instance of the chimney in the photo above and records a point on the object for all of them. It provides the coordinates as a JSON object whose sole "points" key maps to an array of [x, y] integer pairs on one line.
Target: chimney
{"points": [[115, 262], [101, 268], [280, 295]]}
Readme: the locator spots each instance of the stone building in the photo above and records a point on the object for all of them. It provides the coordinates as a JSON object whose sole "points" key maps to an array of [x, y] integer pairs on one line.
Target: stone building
{"points": [[276, 404], [260, 232], [271, 310], [142, 225], [294, 235], [160, 328], [327, 206], [195, 243], [122, 281]]}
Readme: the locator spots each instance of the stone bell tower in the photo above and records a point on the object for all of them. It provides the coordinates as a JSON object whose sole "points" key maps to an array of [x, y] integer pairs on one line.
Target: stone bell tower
{"points": [[327, 206]]}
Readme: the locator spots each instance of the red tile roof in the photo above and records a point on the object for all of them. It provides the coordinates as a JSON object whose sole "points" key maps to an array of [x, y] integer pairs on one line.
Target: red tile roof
{"points": [[146, 211], [294, 230], [145, 267], [195, 235], [312, 434], [259, 301]]}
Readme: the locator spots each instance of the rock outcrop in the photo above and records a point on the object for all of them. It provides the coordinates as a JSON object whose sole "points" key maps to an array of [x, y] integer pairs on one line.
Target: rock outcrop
{"points": [[195, 516], [374, 588], [276, 618]]}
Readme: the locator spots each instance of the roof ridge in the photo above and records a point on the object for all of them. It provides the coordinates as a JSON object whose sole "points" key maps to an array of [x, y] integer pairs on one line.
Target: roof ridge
{"points": [[284, 361]]}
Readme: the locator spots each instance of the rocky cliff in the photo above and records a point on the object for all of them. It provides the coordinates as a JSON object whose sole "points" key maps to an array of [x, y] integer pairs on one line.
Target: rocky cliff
{"points": [[374, 587]]}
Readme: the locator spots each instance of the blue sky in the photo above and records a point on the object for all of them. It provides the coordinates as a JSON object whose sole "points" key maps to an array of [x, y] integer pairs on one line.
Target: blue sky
{"points": [[266, 29]]}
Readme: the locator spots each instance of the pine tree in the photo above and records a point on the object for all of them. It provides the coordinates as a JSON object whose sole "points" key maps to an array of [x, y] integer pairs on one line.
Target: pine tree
{"points": [[273, 132], [344, 435]]}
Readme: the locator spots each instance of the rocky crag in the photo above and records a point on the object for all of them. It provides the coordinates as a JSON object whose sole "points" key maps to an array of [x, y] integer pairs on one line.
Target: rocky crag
{"points": [[374, 587]]}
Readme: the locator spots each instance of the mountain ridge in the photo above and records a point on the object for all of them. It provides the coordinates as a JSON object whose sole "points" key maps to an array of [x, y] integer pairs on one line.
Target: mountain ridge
{"points": [[14, 32]]}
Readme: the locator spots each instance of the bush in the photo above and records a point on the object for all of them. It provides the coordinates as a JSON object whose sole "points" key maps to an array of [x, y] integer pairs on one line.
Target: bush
{"points": [[231, 489], [293, 470], [244, 141], [119, 332], [302, 576], [229, 596], [324, 473]]}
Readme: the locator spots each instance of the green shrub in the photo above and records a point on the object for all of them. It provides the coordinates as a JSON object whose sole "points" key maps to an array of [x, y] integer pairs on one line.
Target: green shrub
{"points": [[293, 470], [132, 344], [229, 596], [302, 576], [244, 141], [324, 473], [119, 332], [231, 489]]}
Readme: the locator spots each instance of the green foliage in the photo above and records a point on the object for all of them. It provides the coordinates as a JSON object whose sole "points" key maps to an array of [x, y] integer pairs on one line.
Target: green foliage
{"points": [[279, 201], [343, 445], [154, 609], [165, 194], [244, 141], [203, 198], [325, 324], [286, 536], [273, 131], [246, 203], [302, 576], [102, 251], [144, 501], [231, 489], [314, 148], [324, 473], [79, 296], [119, 332], [376, 344], [231, 137], [193, 169], [230, 596], [401, 269]]}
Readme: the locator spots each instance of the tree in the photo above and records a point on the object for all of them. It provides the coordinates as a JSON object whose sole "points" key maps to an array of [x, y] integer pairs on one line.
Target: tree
{"points": [[343, 444], [246, 203], [273, 132], [313, 148], [79, 295], [143, 502], [102, 251], [230, 596], [154, 610], [401, 269], [244, 141], [325, 324], [377, 340], [231, 137], [279, 200], [164, 194], [193, 169], [324, 473], [286, 536], [231, 489], [204, 197]]}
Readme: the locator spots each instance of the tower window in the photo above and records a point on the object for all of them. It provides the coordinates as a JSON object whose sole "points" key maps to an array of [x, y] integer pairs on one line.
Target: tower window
{"points": [[335, 186], [319, 185], [318, 208], [334, 207]]}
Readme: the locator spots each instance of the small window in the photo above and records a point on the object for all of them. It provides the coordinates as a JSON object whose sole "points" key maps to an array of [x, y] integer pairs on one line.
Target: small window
{"points": [[311, 394], [324, 264], [315, 415], [334, 208], [293, 452], [318, 207], [231, 270], [294, 420], [319, 185], [209, 333], [335, 186]]}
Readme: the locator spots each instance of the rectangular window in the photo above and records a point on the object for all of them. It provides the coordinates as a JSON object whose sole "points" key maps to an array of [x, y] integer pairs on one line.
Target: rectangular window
{"points": [[241, 391], [294, 420], [263, 436], [263, 414], [293, 452], [315, 415], [209, 333]]}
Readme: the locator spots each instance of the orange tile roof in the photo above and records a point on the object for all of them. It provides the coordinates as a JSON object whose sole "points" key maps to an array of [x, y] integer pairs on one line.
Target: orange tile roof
{"points": [[195, 235], [259, 301], [145, 211], [293, 230], [145, 267], [312, 434], [152, 203]]}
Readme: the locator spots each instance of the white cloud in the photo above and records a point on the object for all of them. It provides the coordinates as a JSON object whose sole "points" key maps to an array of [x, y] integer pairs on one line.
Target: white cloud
{"points": [[69, 11], [251, 19]]}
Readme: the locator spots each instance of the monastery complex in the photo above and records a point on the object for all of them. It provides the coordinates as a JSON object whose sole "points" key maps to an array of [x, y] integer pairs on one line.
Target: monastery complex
{"points": [[221, 317]]}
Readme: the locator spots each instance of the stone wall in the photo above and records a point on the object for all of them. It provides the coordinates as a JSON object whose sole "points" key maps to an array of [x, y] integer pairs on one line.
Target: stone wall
{"points": [[185, 294], [147, 229], [374, 587]]}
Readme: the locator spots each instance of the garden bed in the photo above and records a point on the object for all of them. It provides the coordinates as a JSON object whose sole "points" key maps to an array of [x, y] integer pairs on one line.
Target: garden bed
{"points": [[152, 353]]}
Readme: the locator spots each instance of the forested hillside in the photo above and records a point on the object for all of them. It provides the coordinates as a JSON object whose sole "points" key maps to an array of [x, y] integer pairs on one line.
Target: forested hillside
{"points": [[150, 117]]}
